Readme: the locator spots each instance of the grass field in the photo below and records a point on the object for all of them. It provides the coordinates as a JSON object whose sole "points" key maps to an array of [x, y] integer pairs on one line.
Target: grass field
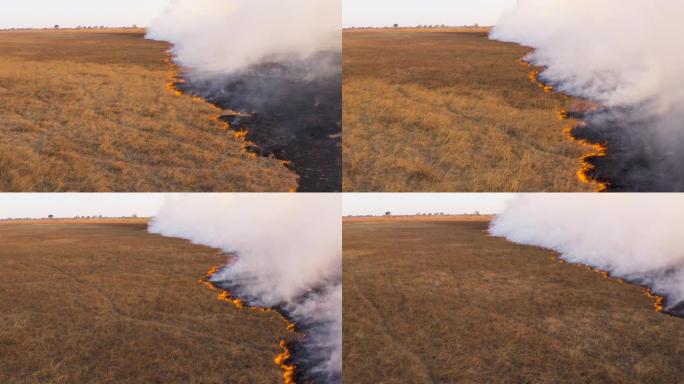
{"points": [[90, 111], [450, 110], [106, 302], [442, 302]]}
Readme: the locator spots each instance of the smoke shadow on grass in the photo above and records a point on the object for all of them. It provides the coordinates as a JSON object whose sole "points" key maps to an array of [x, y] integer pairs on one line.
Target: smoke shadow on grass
{"points": [[290, 109]]}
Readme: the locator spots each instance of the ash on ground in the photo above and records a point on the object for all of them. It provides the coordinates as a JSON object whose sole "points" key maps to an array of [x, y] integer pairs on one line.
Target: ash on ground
{"points": [[290, 109]]}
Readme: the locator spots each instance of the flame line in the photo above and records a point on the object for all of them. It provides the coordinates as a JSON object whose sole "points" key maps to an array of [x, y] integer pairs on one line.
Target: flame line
{"points": [[599, 150], [658, 306], [283, 359]]}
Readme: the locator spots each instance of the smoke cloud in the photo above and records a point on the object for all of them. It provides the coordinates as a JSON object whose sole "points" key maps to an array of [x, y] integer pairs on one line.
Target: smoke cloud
{"points": [[623, 55], [633, 236], [275, 67], [230, 35], [288, 251]]}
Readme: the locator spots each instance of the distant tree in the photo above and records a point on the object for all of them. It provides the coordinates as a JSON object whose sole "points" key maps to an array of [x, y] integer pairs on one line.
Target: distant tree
{"points": [[476, 25], [134, 216], [388, 213], [51, 217], [56, 26], [134, 26], [396, 25]]}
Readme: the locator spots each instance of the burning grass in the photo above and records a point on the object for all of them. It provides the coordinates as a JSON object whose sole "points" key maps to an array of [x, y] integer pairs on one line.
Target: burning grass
{"points": [[586, 167], [94, 111], [444, 302], [449, 110], [96, 301]]}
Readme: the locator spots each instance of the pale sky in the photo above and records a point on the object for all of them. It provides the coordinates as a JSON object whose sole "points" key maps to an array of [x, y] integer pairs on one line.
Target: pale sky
{"points": [[383, 13], [358, 204], [39, 205], [72, 13], [67, 205]]}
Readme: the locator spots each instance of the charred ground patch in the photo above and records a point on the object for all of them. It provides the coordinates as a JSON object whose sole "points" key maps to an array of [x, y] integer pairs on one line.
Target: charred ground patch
{"points": [[289, 110]]}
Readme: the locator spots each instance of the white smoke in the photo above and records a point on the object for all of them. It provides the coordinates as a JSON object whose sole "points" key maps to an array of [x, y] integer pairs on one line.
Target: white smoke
{"points": [[288, 250], [620, 53], [224, 36], [633, 236]]}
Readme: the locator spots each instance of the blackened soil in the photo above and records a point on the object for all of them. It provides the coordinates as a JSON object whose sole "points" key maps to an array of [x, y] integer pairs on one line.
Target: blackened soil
{"points": [[292, 111]]}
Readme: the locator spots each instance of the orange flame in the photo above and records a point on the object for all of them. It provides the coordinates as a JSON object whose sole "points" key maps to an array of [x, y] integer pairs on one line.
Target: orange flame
{"points": [[659, 300], [534, 77], [282, 360], [598, 150]]}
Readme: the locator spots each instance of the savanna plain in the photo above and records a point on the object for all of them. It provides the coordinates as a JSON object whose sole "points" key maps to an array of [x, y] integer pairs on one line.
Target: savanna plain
{"points": [[447, 109], [92, 110], [440, 301], [104, 301]]}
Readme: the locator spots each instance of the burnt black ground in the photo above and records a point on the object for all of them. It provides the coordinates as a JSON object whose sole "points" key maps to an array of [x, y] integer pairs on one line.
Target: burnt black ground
{"points": [[292, 111], [639, 156]]}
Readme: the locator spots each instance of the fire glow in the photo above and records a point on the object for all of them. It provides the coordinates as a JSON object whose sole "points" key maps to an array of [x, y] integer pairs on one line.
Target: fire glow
{"points": [[282, 360]]}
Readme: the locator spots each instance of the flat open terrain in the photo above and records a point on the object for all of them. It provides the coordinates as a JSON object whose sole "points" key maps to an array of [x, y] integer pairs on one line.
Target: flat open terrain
{"points": [[449, 110], [106, 302], [442, 302], [89, 110]]}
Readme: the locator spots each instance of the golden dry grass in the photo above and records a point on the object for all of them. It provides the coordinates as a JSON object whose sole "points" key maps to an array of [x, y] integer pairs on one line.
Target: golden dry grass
{"points": [[101, 302], [89, 111], [442, 302], [449, 110]]}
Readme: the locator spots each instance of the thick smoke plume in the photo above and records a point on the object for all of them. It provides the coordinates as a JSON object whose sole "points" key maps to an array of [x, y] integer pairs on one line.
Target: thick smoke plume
{"points": [[625, 56], [287, 250], [633, 236], [224, 36], [275, 67]]}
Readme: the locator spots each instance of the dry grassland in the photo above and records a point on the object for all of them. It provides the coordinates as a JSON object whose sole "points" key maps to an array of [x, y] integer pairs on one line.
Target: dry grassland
{"points": [[442, 302], [449, 110], [94, 302], [89, 111]]}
